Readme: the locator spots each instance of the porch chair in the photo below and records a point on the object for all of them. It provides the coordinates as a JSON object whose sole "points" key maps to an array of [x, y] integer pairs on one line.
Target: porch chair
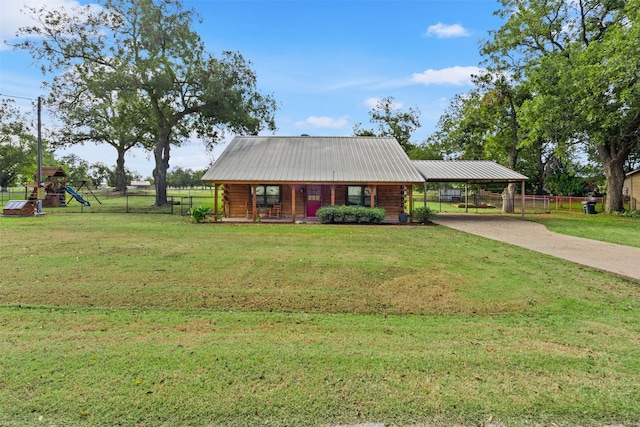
{"points": [[274, 211]]}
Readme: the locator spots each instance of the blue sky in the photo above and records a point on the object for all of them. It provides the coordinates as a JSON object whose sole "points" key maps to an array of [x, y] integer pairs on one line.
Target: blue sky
{"points": [[326, 62]]}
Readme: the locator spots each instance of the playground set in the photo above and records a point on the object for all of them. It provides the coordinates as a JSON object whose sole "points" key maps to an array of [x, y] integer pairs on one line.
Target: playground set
{"points": [[53, 193], [54, 182]]}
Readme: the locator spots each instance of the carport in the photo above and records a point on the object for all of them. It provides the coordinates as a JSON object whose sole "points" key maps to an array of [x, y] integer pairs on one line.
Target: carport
{"points": [[468, 172]]}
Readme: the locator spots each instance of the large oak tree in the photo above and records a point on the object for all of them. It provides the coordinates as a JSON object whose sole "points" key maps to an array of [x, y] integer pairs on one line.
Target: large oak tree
{"points": [[91, 112], [149, 48], [483, 125], [581, 61], [18, 146]]}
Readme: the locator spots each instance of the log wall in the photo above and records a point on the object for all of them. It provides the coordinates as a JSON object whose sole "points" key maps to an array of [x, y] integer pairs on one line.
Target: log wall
{"points": [[236, 196]]}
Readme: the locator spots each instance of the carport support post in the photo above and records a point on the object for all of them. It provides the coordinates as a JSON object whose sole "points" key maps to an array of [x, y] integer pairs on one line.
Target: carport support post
{"points": [[424, 194], [411, 200], [466, 197], [522, 208]]}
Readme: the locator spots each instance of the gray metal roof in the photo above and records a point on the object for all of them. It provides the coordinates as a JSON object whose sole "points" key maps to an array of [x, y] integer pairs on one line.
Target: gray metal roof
{"points": [[465, 171], [308, 159]]}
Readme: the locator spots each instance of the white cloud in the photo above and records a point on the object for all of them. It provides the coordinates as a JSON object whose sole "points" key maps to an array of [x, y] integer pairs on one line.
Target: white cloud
{"points": [[14, 15], [373, 103], [443, 31], [324, 122], [457, 75]]}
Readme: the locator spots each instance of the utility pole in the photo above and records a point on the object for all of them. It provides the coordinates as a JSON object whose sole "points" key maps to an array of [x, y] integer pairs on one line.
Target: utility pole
{"points": [[39, 190]]}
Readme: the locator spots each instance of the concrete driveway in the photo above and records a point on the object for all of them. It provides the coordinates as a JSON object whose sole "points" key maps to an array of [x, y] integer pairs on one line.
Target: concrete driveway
{"points": [[608, 257]]}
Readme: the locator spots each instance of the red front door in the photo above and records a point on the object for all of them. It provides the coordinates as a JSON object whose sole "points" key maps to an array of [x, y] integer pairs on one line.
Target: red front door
{"points": [[313, 199]]}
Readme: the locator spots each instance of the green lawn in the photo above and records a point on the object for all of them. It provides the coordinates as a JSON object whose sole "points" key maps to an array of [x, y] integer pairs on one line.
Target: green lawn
{"points": [[153, 320], [606, 228]]}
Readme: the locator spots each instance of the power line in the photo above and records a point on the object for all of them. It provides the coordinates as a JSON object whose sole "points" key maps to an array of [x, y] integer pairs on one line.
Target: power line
{"points": [[17, 97]]}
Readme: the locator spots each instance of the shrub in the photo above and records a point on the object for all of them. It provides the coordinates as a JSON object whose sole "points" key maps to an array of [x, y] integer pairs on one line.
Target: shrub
{"points": [[423, 215], [199, 214], [350, 214], [628, 214]]}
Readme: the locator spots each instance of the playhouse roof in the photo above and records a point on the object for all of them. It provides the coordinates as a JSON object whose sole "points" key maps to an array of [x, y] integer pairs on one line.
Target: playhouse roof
{"points": [[52, 171], [307, 159]]}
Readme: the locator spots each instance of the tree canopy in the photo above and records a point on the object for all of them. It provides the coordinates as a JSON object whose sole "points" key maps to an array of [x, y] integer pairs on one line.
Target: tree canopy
{"points": [[392, 121], [148, 50], [18, 145], [580, 60], [483, 125], [92, 113]]}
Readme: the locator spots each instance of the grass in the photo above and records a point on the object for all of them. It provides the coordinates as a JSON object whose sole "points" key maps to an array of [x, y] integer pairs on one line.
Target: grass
{"points": [[150, 319], [606, 228]]}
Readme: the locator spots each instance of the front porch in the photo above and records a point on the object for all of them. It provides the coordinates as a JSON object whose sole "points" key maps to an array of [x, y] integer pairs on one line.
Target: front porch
{"points": [[308, 221], [284, 202]]}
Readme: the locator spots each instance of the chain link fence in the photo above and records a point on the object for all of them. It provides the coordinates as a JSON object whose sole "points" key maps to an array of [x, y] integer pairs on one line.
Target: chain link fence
{"points": [[481, 201], [140, 202]]}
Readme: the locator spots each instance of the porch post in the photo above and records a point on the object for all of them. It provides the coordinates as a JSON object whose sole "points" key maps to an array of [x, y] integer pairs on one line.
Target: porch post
{"points": [[333, 195], [293, 203], [254, 202], [372, 193], [215, 202]]}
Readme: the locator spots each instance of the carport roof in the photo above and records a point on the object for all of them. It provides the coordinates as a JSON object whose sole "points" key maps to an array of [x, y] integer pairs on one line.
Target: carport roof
{"points": [[466, 171]]}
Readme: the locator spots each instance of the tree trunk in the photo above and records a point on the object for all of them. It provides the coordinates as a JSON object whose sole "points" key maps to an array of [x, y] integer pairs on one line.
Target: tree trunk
{"points": [[4, 181], [614, 172], [509, 193], [508, 196], [161, 154], [613, 164], [615, 184], [121, 176]]}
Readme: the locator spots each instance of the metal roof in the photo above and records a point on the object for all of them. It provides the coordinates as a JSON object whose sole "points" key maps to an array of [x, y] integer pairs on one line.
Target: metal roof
{"points": [[310, 159], [466, 171], [16, 204]]}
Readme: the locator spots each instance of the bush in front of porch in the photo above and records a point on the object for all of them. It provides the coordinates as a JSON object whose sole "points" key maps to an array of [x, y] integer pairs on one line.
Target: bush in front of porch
{"points": [[350, 215]]}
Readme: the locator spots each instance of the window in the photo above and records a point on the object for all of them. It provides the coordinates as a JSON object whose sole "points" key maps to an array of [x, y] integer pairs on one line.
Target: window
{"points": [[266, 194], [360, 196]]}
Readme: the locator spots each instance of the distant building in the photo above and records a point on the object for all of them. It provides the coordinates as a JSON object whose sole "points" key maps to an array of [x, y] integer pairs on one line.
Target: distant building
{"points": [[139, 185], [631, 187]]}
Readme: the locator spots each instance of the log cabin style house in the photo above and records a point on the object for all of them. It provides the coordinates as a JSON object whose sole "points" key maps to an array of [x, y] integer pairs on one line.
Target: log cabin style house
{"points": [[290, 178]]}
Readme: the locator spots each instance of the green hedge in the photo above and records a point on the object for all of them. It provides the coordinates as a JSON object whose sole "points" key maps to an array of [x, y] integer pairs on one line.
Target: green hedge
{"points": [[350, 214]]}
